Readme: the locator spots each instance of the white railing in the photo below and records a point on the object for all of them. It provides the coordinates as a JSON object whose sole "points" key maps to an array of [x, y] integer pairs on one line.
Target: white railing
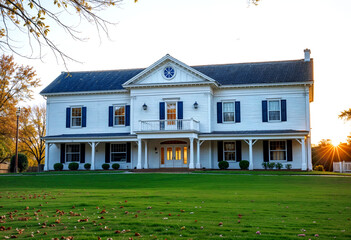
{"points": [[169, 125], [342, 166]]}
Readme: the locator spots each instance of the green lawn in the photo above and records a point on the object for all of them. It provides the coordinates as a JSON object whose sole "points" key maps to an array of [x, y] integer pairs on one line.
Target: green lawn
{"points": [[175, 206]]}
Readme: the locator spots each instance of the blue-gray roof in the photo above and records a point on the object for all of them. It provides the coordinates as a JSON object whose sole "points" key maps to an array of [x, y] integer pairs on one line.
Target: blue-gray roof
{"points": [[225, 74]]}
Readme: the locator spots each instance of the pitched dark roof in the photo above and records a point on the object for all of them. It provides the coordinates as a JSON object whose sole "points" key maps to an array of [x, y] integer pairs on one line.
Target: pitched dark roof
{"points": [[225, 74]]}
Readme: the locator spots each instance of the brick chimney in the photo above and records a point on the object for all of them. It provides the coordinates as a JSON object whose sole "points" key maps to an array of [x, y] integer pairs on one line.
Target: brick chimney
{"points": [[307, 55]]}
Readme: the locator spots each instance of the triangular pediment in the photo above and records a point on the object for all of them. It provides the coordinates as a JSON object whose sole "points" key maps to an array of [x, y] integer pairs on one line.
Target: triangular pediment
{"points": [[168, 71]]}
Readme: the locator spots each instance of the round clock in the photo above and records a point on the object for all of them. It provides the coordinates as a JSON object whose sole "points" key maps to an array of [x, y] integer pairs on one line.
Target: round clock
{"points": [[168, 72]]}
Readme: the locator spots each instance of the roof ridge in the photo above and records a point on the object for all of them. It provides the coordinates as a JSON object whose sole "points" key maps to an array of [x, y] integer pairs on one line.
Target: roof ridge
{"points": [[277, 61]]}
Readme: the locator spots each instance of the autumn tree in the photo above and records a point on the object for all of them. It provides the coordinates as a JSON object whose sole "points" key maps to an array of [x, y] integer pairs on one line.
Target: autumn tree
{"points": [[32, 129], [346, 115], [16, 84], [30, 20]]}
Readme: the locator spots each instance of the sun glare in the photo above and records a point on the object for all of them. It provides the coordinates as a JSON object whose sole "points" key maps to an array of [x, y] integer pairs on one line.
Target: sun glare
{"points": [[335, 143]]}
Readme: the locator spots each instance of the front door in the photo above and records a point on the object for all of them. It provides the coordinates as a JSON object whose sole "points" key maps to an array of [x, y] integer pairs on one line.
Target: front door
{"points": [[174, 156]]}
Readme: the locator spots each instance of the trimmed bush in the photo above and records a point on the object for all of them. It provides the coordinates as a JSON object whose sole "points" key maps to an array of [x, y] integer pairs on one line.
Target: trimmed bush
{"points": [[73, 166], [87, 166], [115, 166], [288, 166], [244, 164], [265, 165], [223, 165], [319, 168], [278, 166], [22, 163], [271, 165], [105, 166], [58, 166]]}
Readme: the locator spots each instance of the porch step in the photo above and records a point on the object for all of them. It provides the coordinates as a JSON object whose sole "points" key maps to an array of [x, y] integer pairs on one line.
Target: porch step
{"points": [[172, 170]]}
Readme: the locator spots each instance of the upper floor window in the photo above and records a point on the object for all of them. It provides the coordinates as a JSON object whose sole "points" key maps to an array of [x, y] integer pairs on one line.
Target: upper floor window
{"points": [[274, 110], [229, 151], [119, 119], [72, 152], [228, 111], [76, 116], [277, 150], [118, 152]]}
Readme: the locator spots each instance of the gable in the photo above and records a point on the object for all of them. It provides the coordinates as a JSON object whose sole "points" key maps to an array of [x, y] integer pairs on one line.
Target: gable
{"points": [[159, 75]]}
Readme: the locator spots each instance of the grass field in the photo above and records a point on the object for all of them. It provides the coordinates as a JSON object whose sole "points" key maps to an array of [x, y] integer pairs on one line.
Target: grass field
{"points": [[175, 206]]}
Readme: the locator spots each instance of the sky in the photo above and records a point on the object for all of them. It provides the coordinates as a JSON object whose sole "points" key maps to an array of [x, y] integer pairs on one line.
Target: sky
{"points": [[200, 32]]}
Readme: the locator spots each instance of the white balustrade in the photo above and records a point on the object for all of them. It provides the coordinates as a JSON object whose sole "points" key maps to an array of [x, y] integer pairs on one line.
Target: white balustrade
{"points": [[170, 125]]}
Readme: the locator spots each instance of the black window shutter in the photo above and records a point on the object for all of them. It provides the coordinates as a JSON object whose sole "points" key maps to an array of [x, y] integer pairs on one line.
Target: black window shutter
{"points": [[128, 152], [127, 115], [162, 110], [82, 153], [68, 117], [180, 110], [264, 111], [110, 116], [220, 150], [63, 153], [289, 151], [107, 153], [238, 151], [84, 116], [237, 111], [219, 112], [283, 110], [265, 151]]}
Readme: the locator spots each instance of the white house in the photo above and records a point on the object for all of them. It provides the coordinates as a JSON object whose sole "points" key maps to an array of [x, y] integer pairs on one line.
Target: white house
{"points": [[171, 115]]}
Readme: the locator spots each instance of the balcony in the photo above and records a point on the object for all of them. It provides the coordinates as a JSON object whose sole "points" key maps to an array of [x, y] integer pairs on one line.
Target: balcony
{"points": [[181, 125]]}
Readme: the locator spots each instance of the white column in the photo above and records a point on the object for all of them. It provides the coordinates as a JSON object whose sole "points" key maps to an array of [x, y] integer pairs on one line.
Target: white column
{"points": [[139, 154], [303, 155], [47, 150], [198, 164], [340, 166], [93, 156], [191, 164], [250, 155], [309, 154], [210, 154], [146, 160]]}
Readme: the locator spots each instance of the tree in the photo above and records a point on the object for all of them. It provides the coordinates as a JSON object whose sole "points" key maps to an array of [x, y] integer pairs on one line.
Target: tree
{"points": [[346, 115], [30, 18], [33, 127], [16, 84]]}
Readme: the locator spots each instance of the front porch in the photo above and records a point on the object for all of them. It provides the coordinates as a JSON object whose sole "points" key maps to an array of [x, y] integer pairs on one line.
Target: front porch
{"points": [[179, 150]]}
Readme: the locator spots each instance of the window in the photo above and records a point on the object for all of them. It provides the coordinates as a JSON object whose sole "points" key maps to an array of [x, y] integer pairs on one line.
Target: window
{"points": [[72, 153], [76, 116], [274, 110], [228, 111], [171, 113], [185, 152], [118, 152], [119, 115], [277, 150], [229, 151]]}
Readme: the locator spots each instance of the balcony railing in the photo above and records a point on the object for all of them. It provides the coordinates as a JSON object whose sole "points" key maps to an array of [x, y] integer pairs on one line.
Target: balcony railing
{"points": [[181, 125]]}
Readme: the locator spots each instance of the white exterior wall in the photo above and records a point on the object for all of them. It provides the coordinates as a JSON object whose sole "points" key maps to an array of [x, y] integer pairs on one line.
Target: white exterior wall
{"points": [[153, 97], [251, 108], [97, 113]]}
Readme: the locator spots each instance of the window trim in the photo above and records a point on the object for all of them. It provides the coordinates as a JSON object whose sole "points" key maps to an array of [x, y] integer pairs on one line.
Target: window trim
{"points": [[81, 116], [285, 150], [114, 115], [111, 159], [280, 109], [224, 151], [223, 119], [66, 152]]}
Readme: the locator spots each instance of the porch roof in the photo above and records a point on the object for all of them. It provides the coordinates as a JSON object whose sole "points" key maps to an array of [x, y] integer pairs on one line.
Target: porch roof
{"points": [[90, 136], [254, 134]]}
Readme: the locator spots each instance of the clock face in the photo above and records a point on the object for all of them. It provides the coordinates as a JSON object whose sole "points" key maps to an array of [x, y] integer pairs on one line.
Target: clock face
{"points": [[168, 72]]}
